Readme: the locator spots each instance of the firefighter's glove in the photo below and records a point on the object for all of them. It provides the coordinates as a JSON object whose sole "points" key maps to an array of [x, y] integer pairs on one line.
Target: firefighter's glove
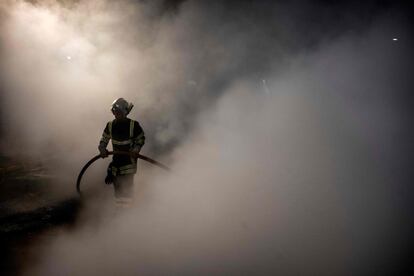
{"points": [[109, 179], [135, 150], [103, 152]]}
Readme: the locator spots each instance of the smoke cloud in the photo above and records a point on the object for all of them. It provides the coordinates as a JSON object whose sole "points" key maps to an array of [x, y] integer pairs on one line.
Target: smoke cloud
{"points": [[286, 135]]}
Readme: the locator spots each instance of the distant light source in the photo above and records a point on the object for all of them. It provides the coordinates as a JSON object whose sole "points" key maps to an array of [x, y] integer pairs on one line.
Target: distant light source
{"points": [[395, 39], [68, 57]]}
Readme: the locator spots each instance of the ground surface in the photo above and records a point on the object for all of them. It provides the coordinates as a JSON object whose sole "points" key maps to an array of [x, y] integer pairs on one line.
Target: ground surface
{"points": [[27, 212]]}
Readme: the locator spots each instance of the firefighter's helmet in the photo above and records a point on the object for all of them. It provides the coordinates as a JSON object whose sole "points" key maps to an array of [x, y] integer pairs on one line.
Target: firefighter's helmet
{"points": [[121, 105]]}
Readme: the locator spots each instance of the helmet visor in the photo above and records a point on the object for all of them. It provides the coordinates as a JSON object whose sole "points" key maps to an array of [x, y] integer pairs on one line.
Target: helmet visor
{"points": [[117, 108]]}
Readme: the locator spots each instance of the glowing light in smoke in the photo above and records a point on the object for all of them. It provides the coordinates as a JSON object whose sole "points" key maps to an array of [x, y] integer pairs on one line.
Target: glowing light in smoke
{"points": [[395, 39], [68, 57]]}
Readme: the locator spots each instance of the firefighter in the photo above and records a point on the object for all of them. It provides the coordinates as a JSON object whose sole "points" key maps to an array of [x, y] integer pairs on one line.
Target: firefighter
{"points": [[126, 135]]}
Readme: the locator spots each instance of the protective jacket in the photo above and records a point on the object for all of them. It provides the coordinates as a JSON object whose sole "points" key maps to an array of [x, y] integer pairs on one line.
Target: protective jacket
{"points": [[126, 135]]}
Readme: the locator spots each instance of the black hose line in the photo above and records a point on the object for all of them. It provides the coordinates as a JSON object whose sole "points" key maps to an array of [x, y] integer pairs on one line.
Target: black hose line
{"points": [[152, 161]]}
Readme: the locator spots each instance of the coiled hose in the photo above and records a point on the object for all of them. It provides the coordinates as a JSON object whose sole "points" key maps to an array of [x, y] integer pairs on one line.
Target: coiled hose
{"points": [[152, 161]]}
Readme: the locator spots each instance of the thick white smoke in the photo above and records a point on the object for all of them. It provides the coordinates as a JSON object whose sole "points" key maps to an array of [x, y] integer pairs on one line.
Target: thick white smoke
{"points": [[283, 176]]}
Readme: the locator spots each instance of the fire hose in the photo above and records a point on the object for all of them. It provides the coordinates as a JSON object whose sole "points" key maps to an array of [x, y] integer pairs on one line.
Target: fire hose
{"points": [[152, 161]]}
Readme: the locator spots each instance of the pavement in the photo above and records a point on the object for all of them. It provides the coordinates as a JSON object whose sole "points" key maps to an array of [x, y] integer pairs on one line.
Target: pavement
{"points": [[27, 212]]}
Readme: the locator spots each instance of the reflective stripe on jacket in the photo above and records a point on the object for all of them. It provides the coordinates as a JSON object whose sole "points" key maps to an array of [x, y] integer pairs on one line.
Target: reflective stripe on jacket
{"points": [[125, 135]]}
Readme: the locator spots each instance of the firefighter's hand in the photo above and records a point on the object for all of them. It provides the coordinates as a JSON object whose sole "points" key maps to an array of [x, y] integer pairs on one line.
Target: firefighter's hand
{"points": [[135, 150], [109, 179], [104, 153]]}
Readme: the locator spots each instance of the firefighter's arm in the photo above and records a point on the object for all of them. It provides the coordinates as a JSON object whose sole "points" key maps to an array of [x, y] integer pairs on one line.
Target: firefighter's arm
{"points": [[103, 143], [138, 139]]}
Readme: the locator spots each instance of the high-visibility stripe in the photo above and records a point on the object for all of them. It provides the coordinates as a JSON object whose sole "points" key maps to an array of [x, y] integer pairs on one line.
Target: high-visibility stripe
{"points": [[140, 140], [131, 128], [114, 170], [121, 143], [129, 171], [110, 128], [124, 170], [140, 136], [129, 166], [125, 200]]}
